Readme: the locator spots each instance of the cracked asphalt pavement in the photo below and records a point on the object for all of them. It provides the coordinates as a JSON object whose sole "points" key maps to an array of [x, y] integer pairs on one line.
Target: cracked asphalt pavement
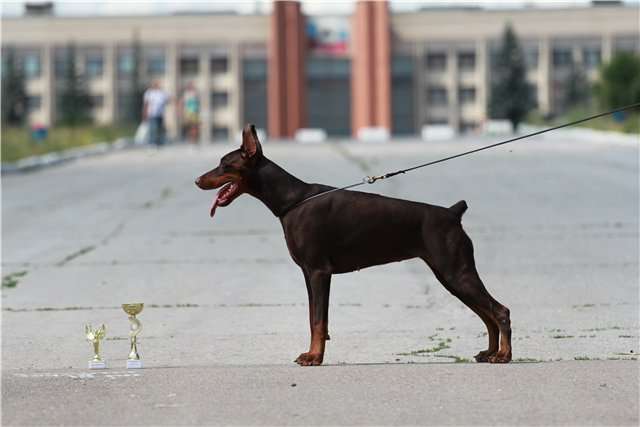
{"points": [[555, 229]]}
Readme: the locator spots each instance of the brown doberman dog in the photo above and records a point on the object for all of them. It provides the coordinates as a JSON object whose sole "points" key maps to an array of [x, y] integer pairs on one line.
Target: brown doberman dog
{"points": [[346, 231]]}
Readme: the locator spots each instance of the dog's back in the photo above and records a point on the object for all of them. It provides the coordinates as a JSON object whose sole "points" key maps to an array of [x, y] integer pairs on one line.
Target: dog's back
{"points": [[349, 230]]}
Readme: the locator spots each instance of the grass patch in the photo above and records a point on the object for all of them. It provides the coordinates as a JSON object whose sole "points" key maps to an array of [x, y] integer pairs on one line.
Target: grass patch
{"points": [[456, 359], [528, 360], [442, 344], [11, 280], [585, 358], [630, 124], [17, 142], [583, 306]]}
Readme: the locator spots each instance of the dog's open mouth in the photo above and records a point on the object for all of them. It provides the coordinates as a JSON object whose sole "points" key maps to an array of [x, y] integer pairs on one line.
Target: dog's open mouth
{"points": [[225, 196]]}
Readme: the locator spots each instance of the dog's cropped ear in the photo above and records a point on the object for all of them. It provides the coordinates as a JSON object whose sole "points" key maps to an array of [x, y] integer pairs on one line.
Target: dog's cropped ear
{"points": [[250, 144]]}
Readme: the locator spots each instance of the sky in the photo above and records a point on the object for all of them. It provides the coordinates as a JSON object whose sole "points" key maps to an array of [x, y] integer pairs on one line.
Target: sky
{"points": [[150, 7]]}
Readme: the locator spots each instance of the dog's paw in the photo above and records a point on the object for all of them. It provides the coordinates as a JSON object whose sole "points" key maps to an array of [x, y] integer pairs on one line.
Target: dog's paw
{"points": [[500, 358], [309, 359], [483, 356]]}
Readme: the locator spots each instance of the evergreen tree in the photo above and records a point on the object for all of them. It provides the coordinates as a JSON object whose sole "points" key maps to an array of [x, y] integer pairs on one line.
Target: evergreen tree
{"points": [[14, 95], [75, 103], [511, 94]]}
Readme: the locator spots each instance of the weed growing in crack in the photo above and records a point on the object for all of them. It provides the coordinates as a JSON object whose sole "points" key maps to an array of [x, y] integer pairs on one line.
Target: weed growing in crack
{"points": [[11, 280]]}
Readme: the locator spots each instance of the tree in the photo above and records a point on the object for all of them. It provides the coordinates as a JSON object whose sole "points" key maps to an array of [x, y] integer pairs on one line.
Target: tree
{"points": [[75, 103], [14, 94], [619, 82], [511, 94]]}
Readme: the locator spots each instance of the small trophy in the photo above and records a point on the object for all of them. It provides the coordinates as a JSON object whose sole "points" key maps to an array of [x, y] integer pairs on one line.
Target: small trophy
{"points": [[133, 362], [94, 336]]}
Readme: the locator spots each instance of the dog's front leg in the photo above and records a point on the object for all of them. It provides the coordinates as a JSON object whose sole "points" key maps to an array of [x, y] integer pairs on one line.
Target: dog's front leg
{"points": [[318, 286]]}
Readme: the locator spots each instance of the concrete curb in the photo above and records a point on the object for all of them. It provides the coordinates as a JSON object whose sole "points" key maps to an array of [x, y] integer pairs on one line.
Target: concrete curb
{"points": [[33, 163]]}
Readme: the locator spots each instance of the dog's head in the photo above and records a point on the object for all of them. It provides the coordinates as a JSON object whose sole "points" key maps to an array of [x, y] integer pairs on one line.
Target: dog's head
{"points": [[231, 174]]}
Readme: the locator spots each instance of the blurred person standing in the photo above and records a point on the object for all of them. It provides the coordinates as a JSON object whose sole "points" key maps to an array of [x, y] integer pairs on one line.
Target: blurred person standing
{"points": [[190, 104], [155, 100]]}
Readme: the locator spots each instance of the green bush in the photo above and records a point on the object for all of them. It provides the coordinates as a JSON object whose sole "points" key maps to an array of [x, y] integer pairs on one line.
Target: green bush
{"points": [[619, 81]]}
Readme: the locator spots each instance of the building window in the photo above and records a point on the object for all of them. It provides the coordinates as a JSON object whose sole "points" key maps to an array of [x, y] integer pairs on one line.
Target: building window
{"points": [[60, 62], [94, 65], [219, 133], [254, 69], [156, 65], [531, 58], [591, 57], [437, 96], [189, 66], [467, 61], [402, 95], [219, 99], [562, 57], [219, 65], [32, 65], [254, 95], [436, 61], [34, 103], [125, 63], [626, 44], [467, 95], [97, 101], [328, 89]]}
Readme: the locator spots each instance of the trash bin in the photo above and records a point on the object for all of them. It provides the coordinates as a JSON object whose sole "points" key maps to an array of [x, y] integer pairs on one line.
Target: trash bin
{"points": [[619, 116]]}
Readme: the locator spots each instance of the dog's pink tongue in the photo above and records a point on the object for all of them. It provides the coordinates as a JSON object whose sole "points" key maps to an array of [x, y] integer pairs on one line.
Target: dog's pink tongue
{"points": [[214, 206]]}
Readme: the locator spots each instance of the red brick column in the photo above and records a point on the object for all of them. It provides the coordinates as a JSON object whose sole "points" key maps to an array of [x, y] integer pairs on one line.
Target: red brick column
{"points": [[371, 66], [286, 90]]}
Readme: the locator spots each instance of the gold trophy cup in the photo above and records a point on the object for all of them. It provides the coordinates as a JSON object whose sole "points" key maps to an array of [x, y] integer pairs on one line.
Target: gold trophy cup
{"points": [[133, 362], [94, 336]]}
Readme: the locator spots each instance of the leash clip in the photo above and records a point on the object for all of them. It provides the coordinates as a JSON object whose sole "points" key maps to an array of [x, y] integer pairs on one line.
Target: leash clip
{"points": [[371, 179]]}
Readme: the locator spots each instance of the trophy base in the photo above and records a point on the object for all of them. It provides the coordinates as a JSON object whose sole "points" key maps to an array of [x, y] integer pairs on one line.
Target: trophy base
{"points": [[134, 364], [97, 365]]}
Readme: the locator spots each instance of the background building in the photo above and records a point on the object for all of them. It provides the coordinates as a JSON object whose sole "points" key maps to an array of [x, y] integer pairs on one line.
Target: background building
{"points": [[285, 71]]}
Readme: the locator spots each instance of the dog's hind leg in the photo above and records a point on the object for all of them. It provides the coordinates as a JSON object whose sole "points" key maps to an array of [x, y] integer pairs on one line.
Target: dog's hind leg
{"points": [[455, 268], [468, 287], [493, 332]]}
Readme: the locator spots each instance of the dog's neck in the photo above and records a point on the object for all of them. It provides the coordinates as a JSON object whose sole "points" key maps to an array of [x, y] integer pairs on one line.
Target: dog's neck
{"points": [[275, 187]]}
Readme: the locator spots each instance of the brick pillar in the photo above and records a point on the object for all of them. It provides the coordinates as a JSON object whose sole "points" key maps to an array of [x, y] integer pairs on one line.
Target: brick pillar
{"points": [[286, 88], [371, 66]]}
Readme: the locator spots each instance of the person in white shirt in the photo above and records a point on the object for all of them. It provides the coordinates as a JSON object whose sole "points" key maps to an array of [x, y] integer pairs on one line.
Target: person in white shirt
{"points": [[155, 100]]}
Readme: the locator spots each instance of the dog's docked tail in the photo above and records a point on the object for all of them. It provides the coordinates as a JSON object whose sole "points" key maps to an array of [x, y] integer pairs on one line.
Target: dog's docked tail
{"points": [[459, 208]]}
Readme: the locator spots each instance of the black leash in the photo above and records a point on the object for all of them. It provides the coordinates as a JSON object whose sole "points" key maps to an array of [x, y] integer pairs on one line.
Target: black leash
{"points": [[372, 179]]}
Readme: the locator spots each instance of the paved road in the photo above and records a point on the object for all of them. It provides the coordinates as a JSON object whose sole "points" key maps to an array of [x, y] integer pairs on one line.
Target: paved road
{"points": [[555, 229], [572, 393]]}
